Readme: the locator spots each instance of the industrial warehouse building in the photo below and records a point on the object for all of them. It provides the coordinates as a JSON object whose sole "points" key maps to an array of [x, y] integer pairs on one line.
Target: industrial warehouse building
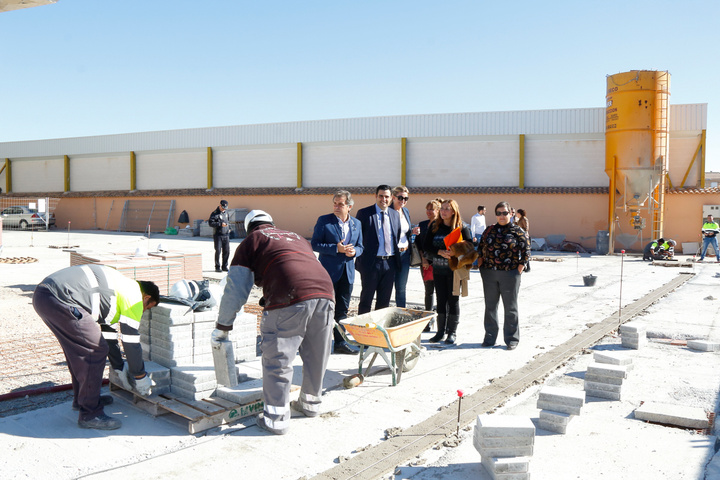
{"points": [[549, 162]]}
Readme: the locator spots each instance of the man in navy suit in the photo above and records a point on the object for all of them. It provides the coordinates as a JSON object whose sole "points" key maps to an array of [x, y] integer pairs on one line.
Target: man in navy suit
{"points": [[379, 261], [338, 239]]}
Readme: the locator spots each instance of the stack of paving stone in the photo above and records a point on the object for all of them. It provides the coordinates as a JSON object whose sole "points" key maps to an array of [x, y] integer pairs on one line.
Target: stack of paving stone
{"points": [[178, 338], [605, 380], [505, 443], [633, 335], [557, 407]]}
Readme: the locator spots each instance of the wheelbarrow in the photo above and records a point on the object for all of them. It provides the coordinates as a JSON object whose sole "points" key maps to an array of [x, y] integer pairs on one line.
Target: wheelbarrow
{"points": [[390, 330]]}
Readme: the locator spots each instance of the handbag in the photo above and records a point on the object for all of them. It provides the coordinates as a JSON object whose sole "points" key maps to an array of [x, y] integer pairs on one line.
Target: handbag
{"points": [[427, 274], [415, 259]]}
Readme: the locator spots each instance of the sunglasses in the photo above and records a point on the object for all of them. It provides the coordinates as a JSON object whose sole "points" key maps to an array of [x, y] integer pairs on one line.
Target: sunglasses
{"points": [[402, 199], [502, 214]]}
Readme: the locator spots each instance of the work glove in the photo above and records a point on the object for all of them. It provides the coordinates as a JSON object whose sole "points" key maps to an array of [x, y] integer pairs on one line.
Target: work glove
{"points": [[122, 377], [143, 385], [218, 336]]}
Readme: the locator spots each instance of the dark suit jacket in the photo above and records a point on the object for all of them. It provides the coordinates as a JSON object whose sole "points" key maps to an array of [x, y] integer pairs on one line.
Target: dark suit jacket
{"points": [[368, 218], [326, 236]]}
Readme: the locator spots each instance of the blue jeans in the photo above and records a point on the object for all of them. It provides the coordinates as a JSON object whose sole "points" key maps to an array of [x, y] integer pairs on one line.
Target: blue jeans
{"points": [[401, 278], [710, 241]]}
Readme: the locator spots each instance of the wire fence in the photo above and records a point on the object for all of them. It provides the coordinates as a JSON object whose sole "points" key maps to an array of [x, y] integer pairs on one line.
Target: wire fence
{"points": [[28, 213]]}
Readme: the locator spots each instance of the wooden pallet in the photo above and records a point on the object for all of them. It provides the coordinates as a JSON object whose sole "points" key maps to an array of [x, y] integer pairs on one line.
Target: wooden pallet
{"points": [[199, 415]]}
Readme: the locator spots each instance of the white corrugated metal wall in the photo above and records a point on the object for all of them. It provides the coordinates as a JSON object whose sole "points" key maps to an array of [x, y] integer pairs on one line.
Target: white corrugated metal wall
{"points": [[562, 148]]}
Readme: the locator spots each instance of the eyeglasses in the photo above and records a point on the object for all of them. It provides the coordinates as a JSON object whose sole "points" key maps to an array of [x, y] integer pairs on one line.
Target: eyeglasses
{"points": [[502, 214], [402, 199]]}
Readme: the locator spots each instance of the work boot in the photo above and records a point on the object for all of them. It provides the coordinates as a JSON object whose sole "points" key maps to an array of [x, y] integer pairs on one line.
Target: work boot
{"points": [[429, 325], [260, 421], [452, 324], [440, 329], [105, 400], [100, 422]]}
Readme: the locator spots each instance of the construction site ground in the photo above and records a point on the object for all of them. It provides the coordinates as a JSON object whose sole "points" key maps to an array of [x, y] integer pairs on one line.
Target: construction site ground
{"points": [[407, 431]]}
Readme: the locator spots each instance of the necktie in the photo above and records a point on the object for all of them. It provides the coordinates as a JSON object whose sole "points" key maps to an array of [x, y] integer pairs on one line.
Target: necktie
{"points": [[387, 234]]}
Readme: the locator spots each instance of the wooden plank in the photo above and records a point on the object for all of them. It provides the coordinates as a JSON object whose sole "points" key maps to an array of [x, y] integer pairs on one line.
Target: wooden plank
{"points": [[183, 410], [227, 417], [153, 408], [203, 406], [220, 402]]}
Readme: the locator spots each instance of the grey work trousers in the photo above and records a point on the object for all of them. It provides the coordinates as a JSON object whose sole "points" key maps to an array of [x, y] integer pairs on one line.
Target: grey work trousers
{"points": [[84, 347], [503, 284], [304, 328]]}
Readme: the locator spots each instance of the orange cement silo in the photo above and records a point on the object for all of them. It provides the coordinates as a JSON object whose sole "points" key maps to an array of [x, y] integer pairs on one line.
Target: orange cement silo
{"points": [[636, 145]]}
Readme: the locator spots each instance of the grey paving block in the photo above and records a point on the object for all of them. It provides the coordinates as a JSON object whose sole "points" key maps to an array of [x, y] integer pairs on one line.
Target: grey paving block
{"points": [[206, 316], [606, 387], [505, 426], [637, 345], [589, 377], [193, 373], [170, 363], [633, 327], [182, 344], [171, 353], [603, 394], [507, 465], [203, 358], [496, 442], [612, 358], [703, 345], [507, 451], [680, 415], [552, 427], [157, 371], [171, 335], [159, 320], [165, 309], [242, 393], [604, 369], [556, 407], [190, 394], [562, 396], [224, 360], [558, 418], [195, 386]]}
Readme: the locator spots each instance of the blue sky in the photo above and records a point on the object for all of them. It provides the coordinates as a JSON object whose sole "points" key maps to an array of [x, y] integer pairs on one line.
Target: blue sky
{"points": [[94, 67]]}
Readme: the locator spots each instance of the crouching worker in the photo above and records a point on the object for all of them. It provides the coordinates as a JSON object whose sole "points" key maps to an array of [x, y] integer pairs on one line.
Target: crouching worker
{"points": [[81, 305], [297, 317]]}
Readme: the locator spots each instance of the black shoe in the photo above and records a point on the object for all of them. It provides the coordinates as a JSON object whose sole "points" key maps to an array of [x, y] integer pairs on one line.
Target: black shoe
{"points": [[345, 349], [487, 344], [225, 269], [218, 270], [450, 340], [105, 400], [101, 422], [437, 338], [512, 346]]}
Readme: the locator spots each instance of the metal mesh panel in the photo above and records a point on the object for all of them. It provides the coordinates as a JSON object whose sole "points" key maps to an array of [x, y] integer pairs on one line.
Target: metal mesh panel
{"points": [[21, 219], [141, 215]]}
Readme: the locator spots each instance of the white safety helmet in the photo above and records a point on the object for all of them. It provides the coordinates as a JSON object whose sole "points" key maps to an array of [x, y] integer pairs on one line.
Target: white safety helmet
{"points": [[256, 216], [185, 289], [161, 248]]}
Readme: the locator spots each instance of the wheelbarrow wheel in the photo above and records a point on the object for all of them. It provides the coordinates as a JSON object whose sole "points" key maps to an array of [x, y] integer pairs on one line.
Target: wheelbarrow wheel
{"points": [[411, 357]]}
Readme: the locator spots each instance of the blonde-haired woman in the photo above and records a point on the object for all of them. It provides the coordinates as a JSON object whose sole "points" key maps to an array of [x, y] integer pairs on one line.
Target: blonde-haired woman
{"points": [[448, 305], [400, 198]]}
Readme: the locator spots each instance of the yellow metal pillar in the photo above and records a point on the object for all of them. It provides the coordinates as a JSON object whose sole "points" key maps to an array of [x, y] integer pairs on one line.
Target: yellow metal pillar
{"points": [[66, 166], [521, 179], [8, 175], [611, 206], [133, 171], [702, 160], [299, 165], [403, 160], [209, 168]]}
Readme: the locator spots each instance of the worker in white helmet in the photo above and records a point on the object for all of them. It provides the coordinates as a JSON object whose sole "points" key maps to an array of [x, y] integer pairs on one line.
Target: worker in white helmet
{"points": [[299, 306]]}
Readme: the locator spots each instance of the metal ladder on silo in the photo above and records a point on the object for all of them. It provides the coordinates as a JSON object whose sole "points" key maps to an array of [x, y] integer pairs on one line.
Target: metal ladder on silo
{"points": [[660, 150]]}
